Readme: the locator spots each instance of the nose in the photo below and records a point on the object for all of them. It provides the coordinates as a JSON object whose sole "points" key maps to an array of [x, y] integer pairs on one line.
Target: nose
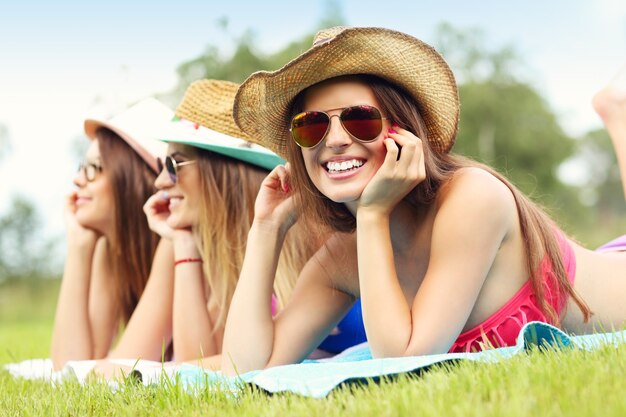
{"points": [[337, 137], [163, 180], [79, 179]]}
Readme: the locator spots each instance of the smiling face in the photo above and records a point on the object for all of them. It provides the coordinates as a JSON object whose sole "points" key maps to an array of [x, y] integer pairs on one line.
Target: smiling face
{"points": [[184, 195], [341, 166], [95, 199]]}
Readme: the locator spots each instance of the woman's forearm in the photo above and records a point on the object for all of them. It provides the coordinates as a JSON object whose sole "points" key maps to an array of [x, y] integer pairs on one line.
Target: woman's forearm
{"points": [[193, 333], [193, 327], [105, 302], [71, 338], [249, 333], [388, 328]]}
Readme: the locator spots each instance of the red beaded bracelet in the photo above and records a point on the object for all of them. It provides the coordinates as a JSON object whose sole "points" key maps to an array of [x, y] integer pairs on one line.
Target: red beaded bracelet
{"points": [[182, 261]]}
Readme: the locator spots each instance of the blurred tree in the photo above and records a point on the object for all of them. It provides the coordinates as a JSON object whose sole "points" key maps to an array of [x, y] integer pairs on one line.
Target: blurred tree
{"points": [[510, 127], [603, 185], [466, 51], [601, 188], [23, 253], [507, 124], [246, 57]]}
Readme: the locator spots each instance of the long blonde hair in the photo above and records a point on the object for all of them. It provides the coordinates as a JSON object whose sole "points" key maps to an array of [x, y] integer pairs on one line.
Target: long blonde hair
{"points": [[229, 188], [537, 229]]}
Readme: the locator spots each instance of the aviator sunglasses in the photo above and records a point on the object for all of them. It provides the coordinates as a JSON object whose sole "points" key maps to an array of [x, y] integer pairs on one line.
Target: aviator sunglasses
{"points": [[172, 167], [362, 122]]}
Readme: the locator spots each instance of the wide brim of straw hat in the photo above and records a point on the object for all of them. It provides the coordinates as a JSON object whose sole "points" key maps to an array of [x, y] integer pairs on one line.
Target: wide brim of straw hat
{"points": [[138, 126], [210, 104], [204, 119], [263, 102]]}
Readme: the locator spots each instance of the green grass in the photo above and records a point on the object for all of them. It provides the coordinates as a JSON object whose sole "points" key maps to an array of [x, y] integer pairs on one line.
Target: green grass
{"points": [[569, 383]]}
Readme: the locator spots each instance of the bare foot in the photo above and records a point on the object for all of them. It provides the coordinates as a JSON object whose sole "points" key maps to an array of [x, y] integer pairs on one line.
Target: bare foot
{"points": [[610, 102]]}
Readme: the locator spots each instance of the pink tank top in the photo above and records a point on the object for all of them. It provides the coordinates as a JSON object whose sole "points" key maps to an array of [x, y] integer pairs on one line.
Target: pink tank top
{"points": [[502, 328]]}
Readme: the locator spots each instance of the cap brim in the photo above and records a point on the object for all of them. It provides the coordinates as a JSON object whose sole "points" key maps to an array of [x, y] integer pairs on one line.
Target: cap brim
{"points": [[92, 126], [222, 144], [264, 160]]}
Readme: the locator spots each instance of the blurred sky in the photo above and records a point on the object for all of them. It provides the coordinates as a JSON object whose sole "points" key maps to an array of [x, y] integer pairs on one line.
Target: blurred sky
{"points": [[63, 60]]}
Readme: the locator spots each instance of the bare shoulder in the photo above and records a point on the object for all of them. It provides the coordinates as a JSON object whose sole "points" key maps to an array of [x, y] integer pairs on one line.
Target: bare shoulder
{"points": [[477, 193], [477, 180]]}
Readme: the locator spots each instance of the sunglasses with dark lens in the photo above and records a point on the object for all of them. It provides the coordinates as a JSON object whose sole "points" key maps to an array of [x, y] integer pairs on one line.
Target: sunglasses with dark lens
{"points": [[90, 170], [172, 167], [362, 122]]}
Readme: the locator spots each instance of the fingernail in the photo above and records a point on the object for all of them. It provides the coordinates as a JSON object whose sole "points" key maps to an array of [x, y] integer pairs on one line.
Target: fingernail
{"points": [[165, 195], [286, 188], [391, 131], [395, 125]]}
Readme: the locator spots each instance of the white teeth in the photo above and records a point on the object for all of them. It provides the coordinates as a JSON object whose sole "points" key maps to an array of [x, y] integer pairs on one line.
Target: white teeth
{"points": [[174, 201], [343, 165]]}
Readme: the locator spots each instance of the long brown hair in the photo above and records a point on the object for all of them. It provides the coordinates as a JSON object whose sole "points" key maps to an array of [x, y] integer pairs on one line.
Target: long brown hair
{"points": [[229, 188], [537, 229], [132, 244]]}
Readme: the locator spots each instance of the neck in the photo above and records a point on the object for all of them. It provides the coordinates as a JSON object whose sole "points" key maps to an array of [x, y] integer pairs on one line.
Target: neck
{"points": [[107, 233]]}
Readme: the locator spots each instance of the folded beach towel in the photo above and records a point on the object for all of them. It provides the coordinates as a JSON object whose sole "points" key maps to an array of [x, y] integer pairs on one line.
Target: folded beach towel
{"points": [[317, 378]]}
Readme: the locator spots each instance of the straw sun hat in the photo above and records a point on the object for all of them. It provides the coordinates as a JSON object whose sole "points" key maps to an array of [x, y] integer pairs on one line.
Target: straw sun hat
{"points": [[137, 126], [263, 101], [204, 119]]}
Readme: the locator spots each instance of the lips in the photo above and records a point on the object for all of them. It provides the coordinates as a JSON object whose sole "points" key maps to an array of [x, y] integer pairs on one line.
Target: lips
{"points": [[82, 200]]}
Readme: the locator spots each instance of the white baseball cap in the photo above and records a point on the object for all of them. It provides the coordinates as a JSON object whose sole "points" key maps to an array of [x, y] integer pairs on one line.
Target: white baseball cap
{"points": [[139, 126]]}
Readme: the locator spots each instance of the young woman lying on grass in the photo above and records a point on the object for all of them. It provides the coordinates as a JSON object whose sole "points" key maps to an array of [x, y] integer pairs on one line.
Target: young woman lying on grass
{"points": [[110, 248], [448, 255]]}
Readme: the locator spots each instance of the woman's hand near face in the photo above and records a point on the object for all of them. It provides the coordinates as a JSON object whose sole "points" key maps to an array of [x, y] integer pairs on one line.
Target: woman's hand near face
{"points": [[157, 211], [76, 233], [274, 203], [398, 175]]}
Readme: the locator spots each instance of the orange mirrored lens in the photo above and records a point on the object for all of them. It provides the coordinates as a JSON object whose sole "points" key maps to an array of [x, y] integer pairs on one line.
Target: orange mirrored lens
{"points": [[362, 122], [309, 128]]}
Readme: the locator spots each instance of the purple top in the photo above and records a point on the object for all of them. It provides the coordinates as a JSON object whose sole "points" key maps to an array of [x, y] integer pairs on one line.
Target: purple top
{"points": [[615, 245]]}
